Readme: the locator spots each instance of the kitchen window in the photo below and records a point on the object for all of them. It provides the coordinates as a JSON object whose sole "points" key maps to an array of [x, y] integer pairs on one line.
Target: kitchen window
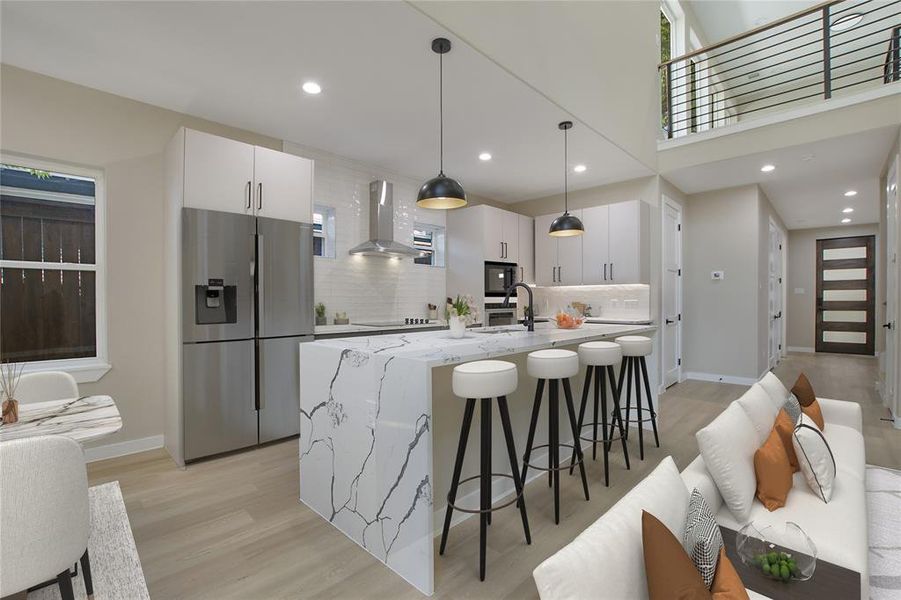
{"points": [[429, 238], [52, 268], [323, 231]]}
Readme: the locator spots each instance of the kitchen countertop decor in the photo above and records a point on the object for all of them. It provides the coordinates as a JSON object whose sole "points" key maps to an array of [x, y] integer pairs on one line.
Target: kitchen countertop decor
{"points": [[83, 419]]}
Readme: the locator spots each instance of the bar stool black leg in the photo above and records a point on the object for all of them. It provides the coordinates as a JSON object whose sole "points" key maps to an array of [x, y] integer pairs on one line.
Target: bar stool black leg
{"points": [[86, 573], [514, 468], [634, 364], [536, 405], [458, 466], [600, 381], [585, 388], [647, 387], [625, 382], [594, 429], [618, 417], [485, 481], [577, 446], [553, 450]]}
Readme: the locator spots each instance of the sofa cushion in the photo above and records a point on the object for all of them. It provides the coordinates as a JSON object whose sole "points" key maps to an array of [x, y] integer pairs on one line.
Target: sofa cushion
{"points": [[774, 472], [785, 427], [728, 445], [815, 458], [727, 585], [813, 411], [773, 386], [761, 410], [669, 571], [848, 451], [702, 538], [803, 391], [608, 555], [839, 412], [793, 408]]}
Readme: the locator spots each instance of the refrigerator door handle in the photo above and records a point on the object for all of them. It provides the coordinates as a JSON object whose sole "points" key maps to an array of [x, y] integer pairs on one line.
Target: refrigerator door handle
{"points": [[260, 357], [261, 281]]}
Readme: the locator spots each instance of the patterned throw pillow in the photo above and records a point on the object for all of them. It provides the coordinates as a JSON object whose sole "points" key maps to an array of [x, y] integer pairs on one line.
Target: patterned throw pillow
{"points": [[793, 408], [702, 538]]}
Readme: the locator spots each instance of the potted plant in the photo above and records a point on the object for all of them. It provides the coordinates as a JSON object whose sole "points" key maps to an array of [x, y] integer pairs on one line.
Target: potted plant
{"points": [[10, 373], [460, 313], [320, 314]]}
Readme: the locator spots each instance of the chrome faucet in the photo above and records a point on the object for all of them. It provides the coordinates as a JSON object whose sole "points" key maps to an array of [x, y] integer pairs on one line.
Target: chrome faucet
{"points": [[530, 314]]}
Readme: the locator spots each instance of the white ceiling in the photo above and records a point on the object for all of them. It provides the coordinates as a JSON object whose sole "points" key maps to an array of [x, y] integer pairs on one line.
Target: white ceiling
{"points": [[806, 192], [242, 64], [720, 19]]}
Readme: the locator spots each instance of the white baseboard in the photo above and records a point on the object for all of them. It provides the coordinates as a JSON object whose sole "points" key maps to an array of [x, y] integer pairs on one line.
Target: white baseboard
{"points": [[123, 448], [804, 349], [720, 378]]}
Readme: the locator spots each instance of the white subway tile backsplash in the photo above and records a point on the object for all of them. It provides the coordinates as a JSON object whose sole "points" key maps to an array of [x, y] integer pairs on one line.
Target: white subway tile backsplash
{"points": [[626, 302]]}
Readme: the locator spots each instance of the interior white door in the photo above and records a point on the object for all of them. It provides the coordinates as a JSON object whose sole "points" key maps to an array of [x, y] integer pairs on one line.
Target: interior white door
{"points": [[569, 257], [545, 252], [780, 294], [595, 242], [892, 377], [218, 173], [772, 353], [511, 236], [492, 233], [283, 185], [625, 237], [526, 242], [672, 293]]}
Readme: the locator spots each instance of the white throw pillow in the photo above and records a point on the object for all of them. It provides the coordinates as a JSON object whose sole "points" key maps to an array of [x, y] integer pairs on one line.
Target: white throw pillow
{"points": [[761, 409], [815, 458], [773, 386], [728, 445]]}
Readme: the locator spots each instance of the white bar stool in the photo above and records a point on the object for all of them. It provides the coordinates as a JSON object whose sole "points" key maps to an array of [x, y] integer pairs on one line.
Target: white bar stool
{"points": [[485, 379], [599, 358], [554, 365], [635, 348]]}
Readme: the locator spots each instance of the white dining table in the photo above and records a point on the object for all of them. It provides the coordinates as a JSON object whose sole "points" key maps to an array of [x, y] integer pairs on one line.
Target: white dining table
{"points": [[83, 419]]}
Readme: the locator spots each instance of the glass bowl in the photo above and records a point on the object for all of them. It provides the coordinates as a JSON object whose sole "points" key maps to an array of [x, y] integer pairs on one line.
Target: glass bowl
{"points": [[784, 553], [567, 321]]}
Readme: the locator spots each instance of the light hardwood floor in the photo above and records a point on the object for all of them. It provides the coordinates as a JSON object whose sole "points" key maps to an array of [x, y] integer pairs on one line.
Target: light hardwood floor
{"points": [[233, 527]]}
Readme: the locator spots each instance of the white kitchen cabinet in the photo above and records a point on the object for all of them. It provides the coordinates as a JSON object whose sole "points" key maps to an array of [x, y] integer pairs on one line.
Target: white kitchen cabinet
{"points": [[283, 185], [628, 236], [558, 260], [526, 249], [511, 236], [595, 245], [230, 176], [500, 233], [218, 173]]}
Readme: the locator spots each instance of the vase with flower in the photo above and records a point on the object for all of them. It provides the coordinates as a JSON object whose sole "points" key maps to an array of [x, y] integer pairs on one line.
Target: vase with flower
{"points": [[459, 313], [10, 373]]}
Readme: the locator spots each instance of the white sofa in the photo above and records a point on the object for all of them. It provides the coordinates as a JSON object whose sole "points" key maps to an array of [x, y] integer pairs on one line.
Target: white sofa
{"points": [[606, 560]]}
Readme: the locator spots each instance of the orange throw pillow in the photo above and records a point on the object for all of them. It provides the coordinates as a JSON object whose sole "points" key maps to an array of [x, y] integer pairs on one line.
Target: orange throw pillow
{"points": [[670, 573], [803, 391], [785, 428], [774, 473], [813, 411], [727, 584]]}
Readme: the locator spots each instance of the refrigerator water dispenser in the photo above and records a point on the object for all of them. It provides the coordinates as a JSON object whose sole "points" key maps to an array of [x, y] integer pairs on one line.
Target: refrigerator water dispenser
{"points": [[215, 303]]}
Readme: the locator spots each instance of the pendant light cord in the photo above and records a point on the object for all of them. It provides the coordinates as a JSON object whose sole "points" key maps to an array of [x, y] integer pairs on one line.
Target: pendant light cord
{"points": [[565, 173], [441, 114]]}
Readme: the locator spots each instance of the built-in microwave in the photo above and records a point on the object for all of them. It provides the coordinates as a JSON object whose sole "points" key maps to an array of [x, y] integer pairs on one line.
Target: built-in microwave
{"points": [[498, 277]]}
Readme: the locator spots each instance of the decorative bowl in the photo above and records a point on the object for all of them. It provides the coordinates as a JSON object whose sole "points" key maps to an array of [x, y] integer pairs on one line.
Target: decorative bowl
{"points": [[565, 320], [782, 553]]}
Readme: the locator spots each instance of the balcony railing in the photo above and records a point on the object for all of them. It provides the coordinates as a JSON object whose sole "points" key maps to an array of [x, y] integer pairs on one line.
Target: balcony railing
{"points": [[837, 47]]}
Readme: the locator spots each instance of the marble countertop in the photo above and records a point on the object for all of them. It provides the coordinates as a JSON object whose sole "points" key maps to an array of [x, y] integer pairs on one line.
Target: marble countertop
{"points": [[435, 348], [83, 419]]}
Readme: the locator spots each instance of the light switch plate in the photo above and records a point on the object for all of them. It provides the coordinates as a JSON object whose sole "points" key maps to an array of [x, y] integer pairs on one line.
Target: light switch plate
{"points": [[799, 290], [717, 275]]}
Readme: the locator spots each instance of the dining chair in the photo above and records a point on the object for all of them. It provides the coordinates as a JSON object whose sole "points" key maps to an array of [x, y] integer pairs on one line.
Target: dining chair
{"points": [[46, 517], [49, 385]]}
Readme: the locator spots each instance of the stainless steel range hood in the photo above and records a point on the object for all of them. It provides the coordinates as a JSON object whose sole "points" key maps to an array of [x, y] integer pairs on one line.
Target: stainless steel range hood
{"points": [[381, 226]]}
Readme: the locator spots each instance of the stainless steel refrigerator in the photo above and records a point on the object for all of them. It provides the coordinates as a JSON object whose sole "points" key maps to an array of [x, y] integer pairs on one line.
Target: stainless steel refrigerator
{"points": [[247, 303]]}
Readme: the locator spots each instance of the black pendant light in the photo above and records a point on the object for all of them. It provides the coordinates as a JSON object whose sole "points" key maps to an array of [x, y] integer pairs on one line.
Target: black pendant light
{"points": [[441, 192], [566, 224]]}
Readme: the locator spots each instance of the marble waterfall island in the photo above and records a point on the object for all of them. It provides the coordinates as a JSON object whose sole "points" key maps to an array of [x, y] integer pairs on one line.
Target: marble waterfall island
{"points": [[369, 451]]}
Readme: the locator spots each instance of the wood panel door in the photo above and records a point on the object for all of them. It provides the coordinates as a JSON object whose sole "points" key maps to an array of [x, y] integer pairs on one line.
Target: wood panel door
{"points": [[846, 290]]}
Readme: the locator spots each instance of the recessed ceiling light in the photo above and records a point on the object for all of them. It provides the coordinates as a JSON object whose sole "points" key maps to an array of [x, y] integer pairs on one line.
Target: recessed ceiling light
{"points": [[311, 87], [846, 22], [846, 220], [485, 156], [580, 168], [768, 168], [850, 193], [848, 210]]}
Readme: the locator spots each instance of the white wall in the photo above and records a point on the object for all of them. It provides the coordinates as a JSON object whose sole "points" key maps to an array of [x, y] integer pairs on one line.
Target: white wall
{"points": [[55, 120], [370, 288]]}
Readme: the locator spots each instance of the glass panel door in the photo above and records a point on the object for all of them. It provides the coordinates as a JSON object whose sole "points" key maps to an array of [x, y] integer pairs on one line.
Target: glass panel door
{"points": [[845, 312]]}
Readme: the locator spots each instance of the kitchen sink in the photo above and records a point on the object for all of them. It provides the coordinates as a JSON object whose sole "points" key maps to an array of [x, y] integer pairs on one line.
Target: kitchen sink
{"points": [[504, 329]]}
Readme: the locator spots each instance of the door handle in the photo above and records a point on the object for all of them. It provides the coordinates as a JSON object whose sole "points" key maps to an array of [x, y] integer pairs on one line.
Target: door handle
{"points": [[554, 274], [260, 196], [605, 271], [502, 249], [505, 249], [611, 272], [560, 274], [261, 279], [522, 273], [669, 321], [889, 325], [249, 194]]}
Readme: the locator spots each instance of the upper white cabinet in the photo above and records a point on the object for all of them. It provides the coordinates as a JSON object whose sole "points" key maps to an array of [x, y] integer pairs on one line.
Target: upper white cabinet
{"points": [[526, 249], [614, 248], [558, 260], [500, 232], [218, 173], [283, 185], [230, 176]]}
